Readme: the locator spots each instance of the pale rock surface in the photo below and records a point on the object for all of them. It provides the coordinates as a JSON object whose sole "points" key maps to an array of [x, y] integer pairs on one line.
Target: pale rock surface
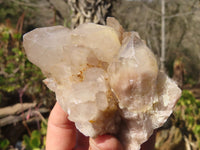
{"points": [[106, 79]]}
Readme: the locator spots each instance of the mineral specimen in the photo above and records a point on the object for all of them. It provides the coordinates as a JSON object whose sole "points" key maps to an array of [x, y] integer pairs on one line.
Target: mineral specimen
{"points": [[106, 79]]}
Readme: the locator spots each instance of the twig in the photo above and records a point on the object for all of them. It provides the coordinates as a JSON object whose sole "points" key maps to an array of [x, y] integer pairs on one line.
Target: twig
{"points": [[20, 23], [2, 72], [187, 143], [152, 10], [27, 4], [180, 14], [15, 109], [13, 119], [40, 116], [21, 93], [27, 128]]}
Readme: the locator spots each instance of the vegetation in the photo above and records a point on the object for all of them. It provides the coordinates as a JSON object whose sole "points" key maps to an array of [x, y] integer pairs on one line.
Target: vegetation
{"points": [[4, 143], [188, 119], [16, 72], [37, 139], [183, 129]]}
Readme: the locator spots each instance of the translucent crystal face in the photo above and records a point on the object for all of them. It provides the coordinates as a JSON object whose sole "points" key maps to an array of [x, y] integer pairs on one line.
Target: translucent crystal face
{"points": [[105, 79]]}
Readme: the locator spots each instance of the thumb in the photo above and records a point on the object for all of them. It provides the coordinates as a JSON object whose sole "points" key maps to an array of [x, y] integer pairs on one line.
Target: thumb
{"points": [[105, 142]]}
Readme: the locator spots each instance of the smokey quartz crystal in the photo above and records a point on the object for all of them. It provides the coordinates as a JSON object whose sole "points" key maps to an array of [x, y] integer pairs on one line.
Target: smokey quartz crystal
{"points": [[106, 79]]}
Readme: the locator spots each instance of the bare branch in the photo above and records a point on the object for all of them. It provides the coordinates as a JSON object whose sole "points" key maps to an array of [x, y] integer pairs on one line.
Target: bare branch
{"points": [[5, 74], [151, 10], [38, 113], [27, 4], [13, 119], [180, 14], [163, 48], [15, 109]]}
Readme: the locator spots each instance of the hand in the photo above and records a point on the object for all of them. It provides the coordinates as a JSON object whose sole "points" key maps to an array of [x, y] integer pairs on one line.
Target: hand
{"points": [[62, 135]]}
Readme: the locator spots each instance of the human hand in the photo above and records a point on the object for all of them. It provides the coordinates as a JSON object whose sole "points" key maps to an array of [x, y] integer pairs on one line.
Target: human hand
{"points": [[62, 135]]}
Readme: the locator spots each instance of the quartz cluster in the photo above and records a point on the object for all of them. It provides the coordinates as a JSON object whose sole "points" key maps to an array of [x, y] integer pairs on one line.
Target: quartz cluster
{"points": [[106, 79]]}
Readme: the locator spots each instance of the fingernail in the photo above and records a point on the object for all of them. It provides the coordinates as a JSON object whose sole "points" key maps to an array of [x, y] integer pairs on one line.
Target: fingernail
{"points": [[93, 145]]}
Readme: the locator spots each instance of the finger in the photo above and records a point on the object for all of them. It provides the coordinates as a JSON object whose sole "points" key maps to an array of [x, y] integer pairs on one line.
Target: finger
{"points": [[82, 142], [105, 142], [61, 133]]}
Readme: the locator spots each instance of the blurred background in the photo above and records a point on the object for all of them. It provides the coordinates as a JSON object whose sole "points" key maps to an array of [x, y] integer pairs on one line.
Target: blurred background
{"points": [[171, 28]]}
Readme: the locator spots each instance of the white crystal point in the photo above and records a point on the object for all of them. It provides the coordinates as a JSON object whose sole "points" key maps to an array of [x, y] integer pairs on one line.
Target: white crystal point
{"points": [[41, 45], [106, 79], [133, 76]]}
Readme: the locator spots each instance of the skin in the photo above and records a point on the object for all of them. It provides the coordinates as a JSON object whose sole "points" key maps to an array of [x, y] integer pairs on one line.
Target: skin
{"points": [[63, 135]]}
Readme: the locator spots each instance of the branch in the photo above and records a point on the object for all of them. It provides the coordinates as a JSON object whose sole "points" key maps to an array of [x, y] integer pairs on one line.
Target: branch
{"points": [[5, 74], [15, 109], [152, 10], [13, 119], [180, 14], [27, 4], [38, 113], [154, 22]]}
